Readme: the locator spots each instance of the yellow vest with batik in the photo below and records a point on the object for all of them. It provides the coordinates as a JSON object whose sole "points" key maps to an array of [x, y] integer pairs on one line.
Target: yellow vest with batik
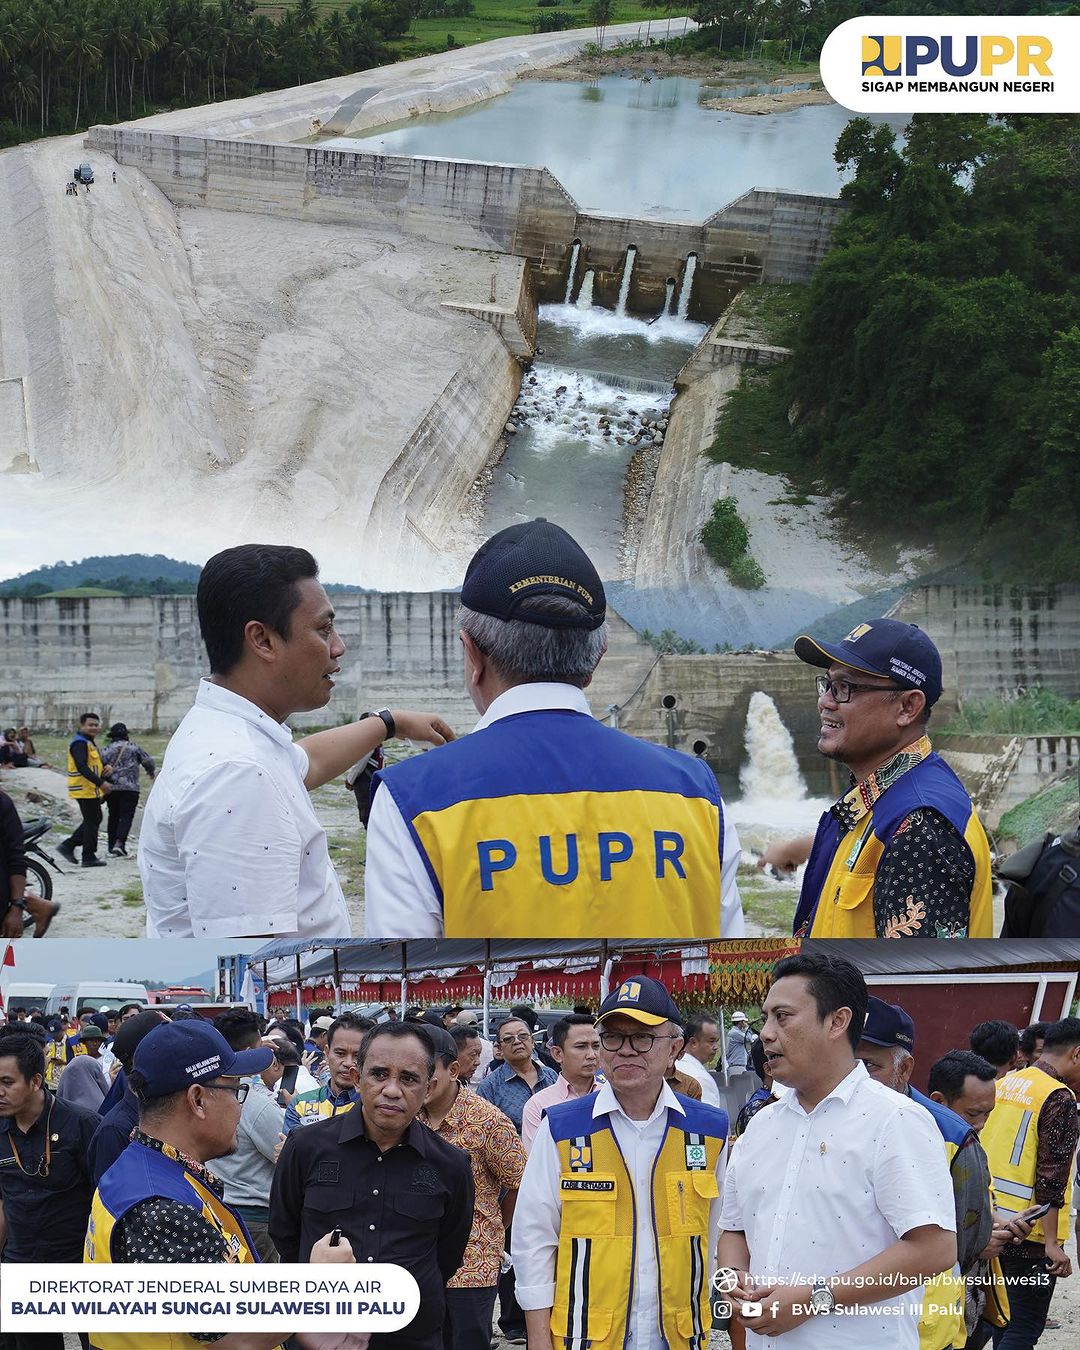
{"points": [[56, 1057], [837, 897], [78, 786], [941, 1322], [549, 824], [596, 1264], [137, 1175], [1011, 1140]]}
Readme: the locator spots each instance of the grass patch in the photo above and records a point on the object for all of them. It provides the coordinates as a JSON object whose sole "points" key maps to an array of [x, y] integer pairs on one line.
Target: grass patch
{"points": [[753, 431], [1035, 712], [349, 853], [767, 908], [771, 313], [131, 895], [1054, 809]]}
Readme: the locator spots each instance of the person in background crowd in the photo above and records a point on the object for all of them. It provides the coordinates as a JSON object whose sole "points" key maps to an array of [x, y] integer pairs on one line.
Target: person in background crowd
{"points": [[123, 758], [761, 1096], [127, 1010], [15, 899], [886, 1049], [739, 1040], [88, 787], [964, 1082], [545, 821], [469, 1044], [12, 755], [998, 1042], [841, 1182], [30, 750], [528, 1014], [450, 1014], [498, 1160], [575, 1047], [83, 1083], [509, 1085], [409, 1195], [315, 1045], [631, 1168], [702, 1032], [56, 1052], [45, 1185], [902, 853], [1031, 1041], [248, 1170], [159, 1202], [113, 1134], [343, 1042], [1030, 1140], [233, 795]]}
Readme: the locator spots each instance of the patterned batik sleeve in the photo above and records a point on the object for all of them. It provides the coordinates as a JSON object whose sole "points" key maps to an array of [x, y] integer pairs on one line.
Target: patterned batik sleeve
{"points": [[924, 881], [159, 1231]]}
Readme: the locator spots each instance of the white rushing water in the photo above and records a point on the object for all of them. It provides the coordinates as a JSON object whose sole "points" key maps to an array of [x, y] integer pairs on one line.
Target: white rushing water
{"points": [[669, 295], [687, 286], [584, 300], [624, 285], [774, 804], [574, 254]]}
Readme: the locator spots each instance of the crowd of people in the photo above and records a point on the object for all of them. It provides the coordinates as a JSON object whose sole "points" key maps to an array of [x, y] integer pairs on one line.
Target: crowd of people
{"points": [[592, 1185]]}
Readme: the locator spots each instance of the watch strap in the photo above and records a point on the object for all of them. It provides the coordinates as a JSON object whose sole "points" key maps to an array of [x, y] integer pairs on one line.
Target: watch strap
{"points": [[388, 721]]}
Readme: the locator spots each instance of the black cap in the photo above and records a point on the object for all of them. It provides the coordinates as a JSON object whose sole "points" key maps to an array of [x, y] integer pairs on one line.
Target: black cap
{"points": [[534, 559], [888, 1024], [642, 998], [131, 1032]]}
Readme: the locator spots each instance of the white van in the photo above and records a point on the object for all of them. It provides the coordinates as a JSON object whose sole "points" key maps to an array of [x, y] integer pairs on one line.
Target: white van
{"points": [[32, 997], [81, 994]]}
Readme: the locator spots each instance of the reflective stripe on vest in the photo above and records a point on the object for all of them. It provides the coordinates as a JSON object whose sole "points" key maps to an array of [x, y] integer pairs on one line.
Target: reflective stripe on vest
{"points": [[138, 1174], [550, 824], [838, 888], [596, 1263], [1011, 1140]]}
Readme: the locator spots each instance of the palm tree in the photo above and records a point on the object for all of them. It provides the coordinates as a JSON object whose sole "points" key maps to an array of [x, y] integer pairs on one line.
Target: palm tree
{"points": [[84, 48], [23, 88], [44, 34]]}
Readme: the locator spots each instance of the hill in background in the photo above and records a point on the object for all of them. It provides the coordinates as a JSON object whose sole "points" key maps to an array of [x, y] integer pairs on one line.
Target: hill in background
{"points": [[116, 574]]}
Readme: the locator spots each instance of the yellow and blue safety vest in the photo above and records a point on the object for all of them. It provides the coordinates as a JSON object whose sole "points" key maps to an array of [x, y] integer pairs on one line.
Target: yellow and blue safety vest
{"points": [[837, 897], [1011, 1140], [596, 1261], [941, 1322], [79, 786], [550, 824], [137, 1175]]}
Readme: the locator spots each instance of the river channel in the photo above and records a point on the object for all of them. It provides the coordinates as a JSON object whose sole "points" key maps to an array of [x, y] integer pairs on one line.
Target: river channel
{"points": [[601, 383]]}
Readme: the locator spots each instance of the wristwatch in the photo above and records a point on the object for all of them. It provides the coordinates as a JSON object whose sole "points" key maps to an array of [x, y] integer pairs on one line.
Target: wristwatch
{"points": [[821, 1297], [388, 721]]}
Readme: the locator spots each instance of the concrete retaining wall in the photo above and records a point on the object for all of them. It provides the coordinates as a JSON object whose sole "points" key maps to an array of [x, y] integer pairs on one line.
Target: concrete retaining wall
{"points": [[997, 639], [763, 236]]}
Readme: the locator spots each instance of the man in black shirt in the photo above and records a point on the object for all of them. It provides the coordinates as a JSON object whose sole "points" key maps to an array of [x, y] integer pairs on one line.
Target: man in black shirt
{"points": [[14, 897], [45, 1186], [397, 1191]]}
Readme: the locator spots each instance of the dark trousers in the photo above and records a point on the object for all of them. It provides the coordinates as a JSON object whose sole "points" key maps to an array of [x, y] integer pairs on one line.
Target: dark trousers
{"points": [[1030, 1288], [86, 835], [468, 1318], [120, 808], [511, 1317]]}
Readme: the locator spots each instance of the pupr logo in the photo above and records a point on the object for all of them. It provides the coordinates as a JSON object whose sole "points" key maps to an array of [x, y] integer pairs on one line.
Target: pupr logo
{"points": [[881, 55], [914, 54]]}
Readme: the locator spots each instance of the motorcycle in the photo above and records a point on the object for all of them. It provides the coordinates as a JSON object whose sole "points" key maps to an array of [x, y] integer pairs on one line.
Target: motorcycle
{"points": [[38, 861]]}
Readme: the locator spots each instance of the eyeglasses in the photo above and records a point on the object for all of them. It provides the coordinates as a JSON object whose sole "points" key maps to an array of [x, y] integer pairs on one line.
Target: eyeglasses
{"points": [[519, 1039], [840, 691], [240, 1091], [640, 1041]]}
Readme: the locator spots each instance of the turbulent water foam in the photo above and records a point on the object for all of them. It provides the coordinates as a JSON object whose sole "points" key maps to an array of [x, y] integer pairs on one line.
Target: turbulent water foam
{"points": [[557, 402], [596, 322]]}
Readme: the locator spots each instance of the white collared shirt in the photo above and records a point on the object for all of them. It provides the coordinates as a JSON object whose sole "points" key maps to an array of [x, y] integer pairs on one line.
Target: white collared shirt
{"points": [[819, 1193], [230, 845], [710, 1093], [399, 897], [538, 1213]]}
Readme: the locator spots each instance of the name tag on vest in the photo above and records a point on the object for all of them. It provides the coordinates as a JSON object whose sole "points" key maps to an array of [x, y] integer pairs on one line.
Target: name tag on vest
{"points": [[575, 1184]]}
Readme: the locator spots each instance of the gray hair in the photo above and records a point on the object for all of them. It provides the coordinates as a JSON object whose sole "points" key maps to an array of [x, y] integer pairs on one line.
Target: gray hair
{"points": [[524, 652]]}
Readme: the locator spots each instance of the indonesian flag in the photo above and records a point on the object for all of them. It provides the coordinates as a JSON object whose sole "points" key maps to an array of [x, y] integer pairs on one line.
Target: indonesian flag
{"points": [[9, 960]]}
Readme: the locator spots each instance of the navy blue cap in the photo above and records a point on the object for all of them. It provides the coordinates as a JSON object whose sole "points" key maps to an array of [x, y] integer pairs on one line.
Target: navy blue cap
{"points": [[54, 1024], [176, 1054], [888, 1024], [900, 652], [100, 1020], [530, 560], [642, 998]]}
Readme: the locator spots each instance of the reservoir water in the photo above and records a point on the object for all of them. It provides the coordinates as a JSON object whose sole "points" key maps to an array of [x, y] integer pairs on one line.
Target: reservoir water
{"points": [[631, 147]]}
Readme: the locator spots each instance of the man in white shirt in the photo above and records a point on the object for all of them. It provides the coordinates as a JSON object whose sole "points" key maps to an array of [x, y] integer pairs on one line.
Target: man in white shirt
{"points": [[702, 1034], [230, 845], [620, 1196], [575, 1048], [838, 1204], [545, 822]]}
